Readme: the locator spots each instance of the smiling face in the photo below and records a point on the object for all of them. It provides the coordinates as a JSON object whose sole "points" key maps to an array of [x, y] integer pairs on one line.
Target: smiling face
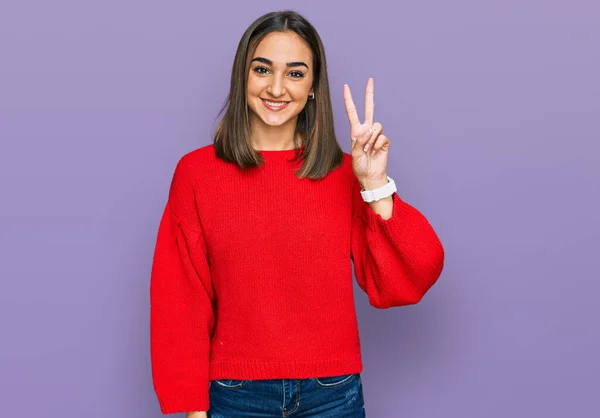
{"points": [[280, 80]]}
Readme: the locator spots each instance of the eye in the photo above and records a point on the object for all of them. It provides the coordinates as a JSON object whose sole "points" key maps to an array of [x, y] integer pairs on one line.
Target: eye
{"points": [[297, 74], [261, 70]]}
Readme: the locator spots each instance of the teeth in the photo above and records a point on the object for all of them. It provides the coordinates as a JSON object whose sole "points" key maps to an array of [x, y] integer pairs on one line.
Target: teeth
{"points": [[275, 104]]}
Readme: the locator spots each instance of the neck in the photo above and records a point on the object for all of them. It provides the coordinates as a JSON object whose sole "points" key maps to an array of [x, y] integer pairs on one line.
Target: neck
{"points": [[266, 137]]}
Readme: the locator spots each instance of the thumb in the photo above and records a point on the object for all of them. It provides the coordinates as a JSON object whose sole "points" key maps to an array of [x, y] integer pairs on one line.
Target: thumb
{"points": [[365, 136]]}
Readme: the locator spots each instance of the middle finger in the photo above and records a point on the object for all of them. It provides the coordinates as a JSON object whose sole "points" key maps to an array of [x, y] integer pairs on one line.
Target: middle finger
{"points": [[370, 101]]}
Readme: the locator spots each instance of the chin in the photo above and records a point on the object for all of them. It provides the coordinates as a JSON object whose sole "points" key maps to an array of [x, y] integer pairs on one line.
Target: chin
{"points": [[279, 122], [277, 119]]}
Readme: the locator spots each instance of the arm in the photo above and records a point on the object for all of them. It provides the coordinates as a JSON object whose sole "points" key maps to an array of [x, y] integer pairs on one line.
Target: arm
{"points": [[181, 303], [396, 253], [383, 206]]}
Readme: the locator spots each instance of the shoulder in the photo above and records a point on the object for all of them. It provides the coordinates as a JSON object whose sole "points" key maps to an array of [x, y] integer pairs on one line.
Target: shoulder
{"points": [[347, 159], [189, 171], [203, 154], [347, 165], [349, 172], [194, 162]]}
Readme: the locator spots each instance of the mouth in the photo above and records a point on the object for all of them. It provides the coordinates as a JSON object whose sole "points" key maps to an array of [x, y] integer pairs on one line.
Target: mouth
{"points": [[275, 105]]}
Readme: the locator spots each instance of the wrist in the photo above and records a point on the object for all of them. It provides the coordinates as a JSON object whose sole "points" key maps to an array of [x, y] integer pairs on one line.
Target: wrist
{"points": [[373, 183]]}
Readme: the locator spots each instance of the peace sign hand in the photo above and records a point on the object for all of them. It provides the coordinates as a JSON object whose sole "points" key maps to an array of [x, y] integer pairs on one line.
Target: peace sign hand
{"points": [[369, 146]]}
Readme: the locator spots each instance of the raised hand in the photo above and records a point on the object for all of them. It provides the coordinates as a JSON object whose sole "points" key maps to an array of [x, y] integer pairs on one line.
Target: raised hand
{"points": [[369, 146]]}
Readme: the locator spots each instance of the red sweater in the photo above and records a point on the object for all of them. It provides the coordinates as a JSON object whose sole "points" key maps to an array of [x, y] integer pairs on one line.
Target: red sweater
{"points": [[252, 274]]}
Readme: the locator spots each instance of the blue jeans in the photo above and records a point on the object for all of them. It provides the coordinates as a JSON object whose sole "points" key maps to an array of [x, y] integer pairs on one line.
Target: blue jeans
{"points": [[323, 397]]}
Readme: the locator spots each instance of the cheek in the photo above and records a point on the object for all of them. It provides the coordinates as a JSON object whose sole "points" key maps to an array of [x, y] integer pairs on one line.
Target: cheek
{"points": [[297, 92], [300, 90], [254, 86]]}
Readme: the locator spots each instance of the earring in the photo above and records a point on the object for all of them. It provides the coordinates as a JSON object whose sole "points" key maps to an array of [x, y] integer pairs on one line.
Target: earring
{"points": [[311, 96]]}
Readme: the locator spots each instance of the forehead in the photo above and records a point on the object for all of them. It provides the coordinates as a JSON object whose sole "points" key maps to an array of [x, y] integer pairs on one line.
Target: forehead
{"points": [[283, 47]]}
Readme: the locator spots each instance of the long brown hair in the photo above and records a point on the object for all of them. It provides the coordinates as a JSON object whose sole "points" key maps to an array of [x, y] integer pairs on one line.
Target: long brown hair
{"points": [[321, 151]]}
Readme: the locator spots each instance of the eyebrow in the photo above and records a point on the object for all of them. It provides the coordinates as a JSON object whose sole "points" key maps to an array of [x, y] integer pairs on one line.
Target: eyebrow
{"points": [[288, 64]]}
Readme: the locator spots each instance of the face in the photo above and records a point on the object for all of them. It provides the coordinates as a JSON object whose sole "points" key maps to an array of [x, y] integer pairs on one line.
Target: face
{"points": [[280, 79]]}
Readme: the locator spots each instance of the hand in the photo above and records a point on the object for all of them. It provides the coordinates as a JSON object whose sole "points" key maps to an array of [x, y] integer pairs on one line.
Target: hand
{"points": [[369, 166], [196, 414]]}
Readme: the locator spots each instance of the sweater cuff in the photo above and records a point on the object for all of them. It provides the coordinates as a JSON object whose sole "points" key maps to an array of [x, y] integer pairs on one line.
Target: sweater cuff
{"points": [[185, 401], [375, 221]]}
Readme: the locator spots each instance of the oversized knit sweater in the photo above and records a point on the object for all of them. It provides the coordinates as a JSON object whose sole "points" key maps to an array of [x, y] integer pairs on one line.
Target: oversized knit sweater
{"points": [[252, 273]]}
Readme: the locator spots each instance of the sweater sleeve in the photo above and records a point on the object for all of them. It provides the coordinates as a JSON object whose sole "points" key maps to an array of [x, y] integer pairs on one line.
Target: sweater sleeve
{"points": [[181, 303], [396, 260]]}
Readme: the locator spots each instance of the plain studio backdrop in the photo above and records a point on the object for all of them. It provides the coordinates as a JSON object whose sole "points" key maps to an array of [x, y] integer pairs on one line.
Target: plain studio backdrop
{"points": [[493, 113]]}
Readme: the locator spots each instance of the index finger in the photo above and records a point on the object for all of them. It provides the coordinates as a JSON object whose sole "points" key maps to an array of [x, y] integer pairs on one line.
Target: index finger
{"points": [[370, 102], [350, 107]]}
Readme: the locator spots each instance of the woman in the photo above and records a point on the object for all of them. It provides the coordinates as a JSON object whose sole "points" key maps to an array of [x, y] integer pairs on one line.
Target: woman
{"points": [[252, 309]]}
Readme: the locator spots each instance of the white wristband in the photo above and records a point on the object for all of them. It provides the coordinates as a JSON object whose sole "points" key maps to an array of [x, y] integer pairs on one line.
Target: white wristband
{"points": [[380, 192]]}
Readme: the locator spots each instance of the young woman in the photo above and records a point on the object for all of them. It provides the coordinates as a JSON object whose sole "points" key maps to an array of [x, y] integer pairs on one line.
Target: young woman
{"points": [[252, 309]]}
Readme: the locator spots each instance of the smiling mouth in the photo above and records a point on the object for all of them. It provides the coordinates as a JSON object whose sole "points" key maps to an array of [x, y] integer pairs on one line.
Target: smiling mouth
{"points": [[274, 105]]}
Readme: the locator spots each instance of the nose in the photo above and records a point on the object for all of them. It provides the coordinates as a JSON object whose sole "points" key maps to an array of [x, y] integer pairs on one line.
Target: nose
{"points": [[276, 87]]}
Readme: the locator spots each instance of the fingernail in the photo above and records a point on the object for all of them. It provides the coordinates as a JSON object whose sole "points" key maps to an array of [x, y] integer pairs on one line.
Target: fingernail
{"points": [[366, 147], [373, 152]]}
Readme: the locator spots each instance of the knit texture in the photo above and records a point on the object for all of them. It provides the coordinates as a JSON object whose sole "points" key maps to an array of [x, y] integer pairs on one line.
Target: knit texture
{"points": [[252, 273]]}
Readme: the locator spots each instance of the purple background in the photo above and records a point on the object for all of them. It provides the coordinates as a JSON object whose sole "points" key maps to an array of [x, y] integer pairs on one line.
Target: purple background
{"points": [[493, 112]]}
